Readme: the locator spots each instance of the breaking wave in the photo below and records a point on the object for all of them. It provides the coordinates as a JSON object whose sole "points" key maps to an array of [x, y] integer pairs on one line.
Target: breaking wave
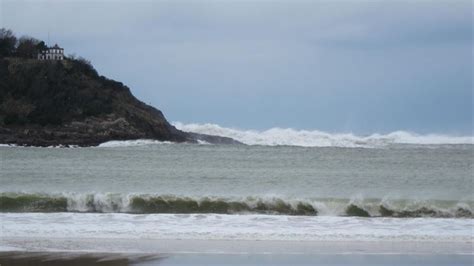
{"points": [[315, 138], [145, 203], [129, 143]]}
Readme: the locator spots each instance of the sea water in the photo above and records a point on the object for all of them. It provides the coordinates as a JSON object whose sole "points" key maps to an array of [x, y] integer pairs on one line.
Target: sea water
{"points": [[152, 191]]}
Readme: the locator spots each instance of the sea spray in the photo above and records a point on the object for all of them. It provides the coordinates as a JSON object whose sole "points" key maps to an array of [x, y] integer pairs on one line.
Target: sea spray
{"points": [[316, 138]]}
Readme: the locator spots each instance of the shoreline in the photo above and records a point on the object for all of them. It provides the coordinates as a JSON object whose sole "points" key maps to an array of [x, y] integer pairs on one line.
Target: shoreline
{"points": [[53, 258], [232, 247], [111, 259]]}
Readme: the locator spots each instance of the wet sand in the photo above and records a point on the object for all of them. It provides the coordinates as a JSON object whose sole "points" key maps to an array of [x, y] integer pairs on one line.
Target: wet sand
{"points": [[72, 259], [22, 258], [111, 252], [187, 246]]}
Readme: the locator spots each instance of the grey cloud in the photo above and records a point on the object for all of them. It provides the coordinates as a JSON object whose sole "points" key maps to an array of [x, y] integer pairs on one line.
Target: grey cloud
{"points": [[307, 64]]}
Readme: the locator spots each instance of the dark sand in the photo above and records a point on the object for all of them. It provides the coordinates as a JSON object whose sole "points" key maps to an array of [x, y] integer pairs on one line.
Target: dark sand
{"points": [[73, 259]]}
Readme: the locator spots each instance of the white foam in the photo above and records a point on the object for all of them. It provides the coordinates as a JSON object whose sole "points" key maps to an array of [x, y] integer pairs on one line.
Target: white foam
{"points": [[232, 227], [130, 143], [316, 138], [9, 145]]}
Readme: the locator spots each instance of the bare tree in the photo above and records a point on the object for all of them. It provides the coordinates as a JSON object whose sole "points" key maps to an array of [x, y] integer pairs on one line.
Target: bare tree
{"points": [[27, 47], [7, 42]]}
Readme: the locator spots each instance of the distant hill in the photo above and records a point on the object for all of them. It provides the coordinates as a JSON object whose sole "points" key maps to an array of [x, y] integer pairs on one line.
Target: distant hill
{"points": [[44, 103]]}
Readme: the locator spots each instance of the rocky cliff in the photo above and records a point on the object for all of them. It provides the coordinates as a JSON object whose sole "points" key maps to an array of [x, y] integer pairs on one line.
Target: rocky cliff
{"points": [[44, 103]]}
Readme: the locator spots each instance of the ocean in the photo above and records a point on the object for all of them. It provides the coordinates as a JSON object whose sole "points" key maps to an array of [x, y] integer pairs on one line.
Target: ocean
{"points": [[380, 194]]}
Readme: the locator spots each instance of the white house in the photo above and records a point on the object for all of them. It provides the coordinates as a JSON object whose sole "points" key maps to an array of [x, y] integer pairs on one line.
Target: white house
{"points": [[52, 53]]}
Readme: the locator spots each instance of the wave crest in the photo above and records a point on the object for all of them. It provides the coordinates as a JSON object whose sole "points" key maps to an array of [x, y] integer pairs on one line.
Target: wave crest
{"points": [[131, 143], [315, 138], [144, 203]]}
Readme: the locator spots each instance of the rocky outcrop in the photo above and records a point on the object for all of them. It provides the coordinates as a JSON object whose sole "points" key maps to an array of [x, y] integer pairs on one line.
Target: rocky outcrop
{"points": [[47, 103]]}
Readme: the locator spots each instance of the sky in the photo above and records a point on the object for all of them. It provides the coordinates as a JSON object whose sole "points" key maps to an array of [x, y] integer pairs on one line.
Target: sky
{"points": [[337, 66]]}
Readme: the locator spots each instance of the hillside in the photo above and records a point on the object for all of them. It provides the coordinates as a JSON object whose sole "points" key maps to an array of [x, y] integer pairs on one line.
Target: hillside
{"points": [[44, 103]]}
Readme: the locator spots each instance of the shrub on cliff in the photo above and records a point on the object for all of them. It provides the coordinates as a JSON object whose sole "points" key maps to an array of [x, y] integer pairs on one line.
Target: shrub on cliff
{"points": [[27, 47], [7, 42], [52, 92]]}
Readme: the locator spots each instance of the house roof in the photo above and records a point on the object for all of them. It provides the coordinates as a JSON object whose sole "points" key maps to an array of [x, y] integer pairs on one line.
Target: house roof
{"points": [[56, 47]]}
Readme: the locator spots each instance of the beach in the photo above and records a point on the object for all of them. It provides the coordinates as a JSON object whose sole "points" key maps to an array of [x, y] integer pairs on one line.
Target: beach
{"points": [[240, 252], [154, 203]]}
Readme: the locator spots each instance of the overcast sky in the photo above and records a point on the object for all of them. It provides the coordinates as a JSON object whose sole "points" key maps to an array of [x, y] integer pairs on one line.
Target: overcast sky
{"points": [[338, 66]]}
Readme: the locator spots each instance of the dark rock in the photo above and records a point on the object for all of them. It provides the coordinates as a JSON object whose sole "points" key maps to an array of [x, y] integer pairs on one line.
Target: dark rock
{"points": [[52, 103]]}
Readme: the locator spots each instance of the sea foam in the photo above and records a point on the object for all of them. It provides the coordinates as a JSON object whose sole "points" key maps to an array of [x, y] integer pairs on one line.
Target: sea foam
{"points": [[231, 227], [129, 143], [316, 138]]}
